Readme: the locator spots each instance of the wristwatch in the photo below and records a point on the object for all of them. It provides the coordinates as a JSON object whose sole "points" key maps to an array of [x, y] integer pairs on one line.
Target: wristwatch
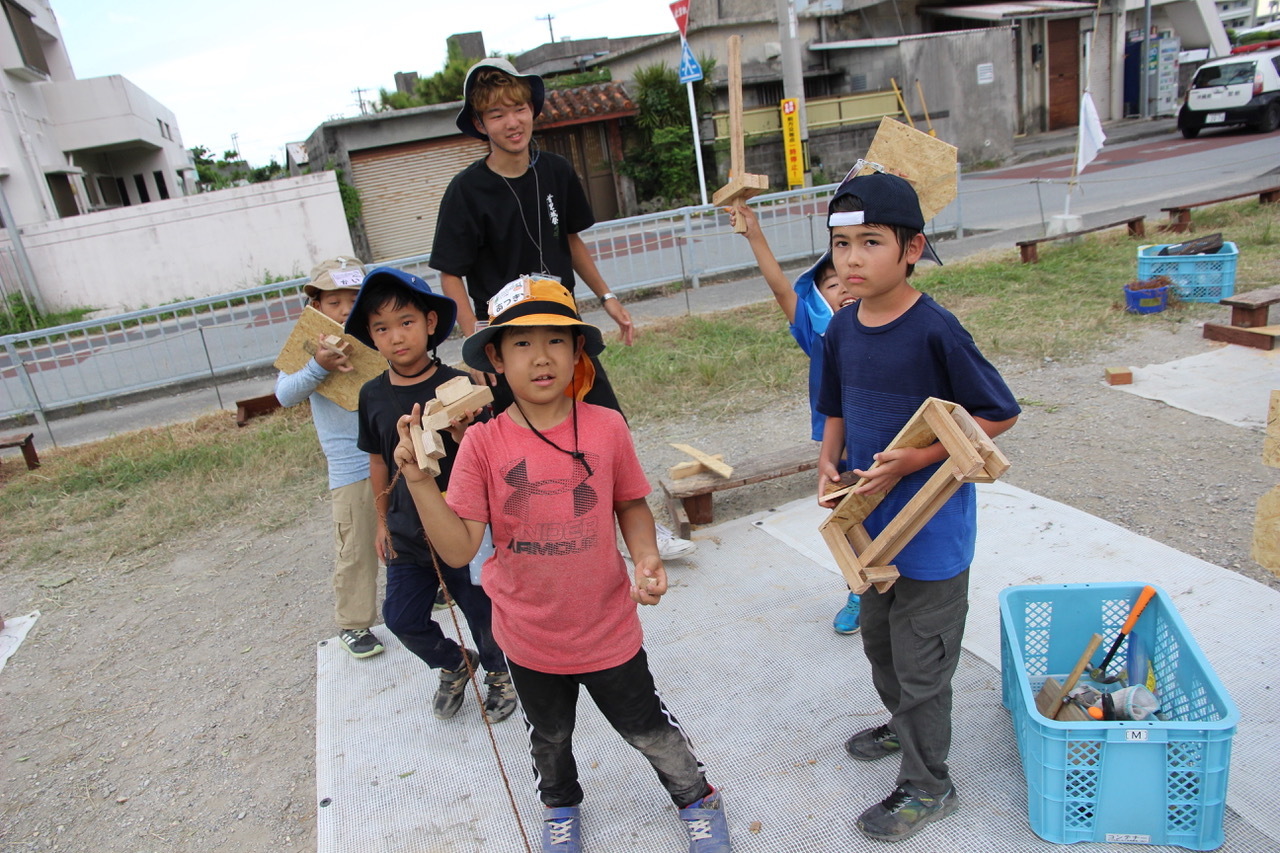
{"points": [[606, 296]]}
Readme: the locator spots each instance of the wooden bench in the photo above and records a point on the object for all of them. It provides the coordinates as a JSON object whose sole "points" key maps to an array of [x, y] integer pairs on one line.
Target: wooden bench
{"points": [[689, 499], [1250, 323], [1029, 252], [27, 442], [1180, 215], [255, 406]]}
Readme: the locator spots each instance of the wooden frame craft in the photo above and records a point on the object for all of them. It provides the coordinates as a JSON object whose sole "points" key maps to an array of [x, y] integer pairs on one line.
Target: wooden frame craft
{"points": [[972, 457]]}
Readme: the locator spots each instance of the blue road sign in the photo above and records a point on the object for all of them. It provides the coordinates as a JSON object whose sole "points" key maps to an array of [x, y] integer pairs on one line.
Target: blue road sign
{"points": [[690, 70]]}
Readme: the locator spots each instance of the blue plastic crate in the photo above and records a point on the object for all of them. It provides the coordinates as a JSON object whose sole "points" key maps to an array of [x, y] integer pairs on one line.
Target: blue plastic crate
{"points": [[1196, 278], [1153, 782]]}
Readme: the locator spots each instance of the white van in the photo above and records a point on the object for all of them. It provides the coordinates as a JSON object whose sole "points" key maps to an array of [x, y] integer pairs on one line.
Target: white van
{"points": [[1240, 89]]}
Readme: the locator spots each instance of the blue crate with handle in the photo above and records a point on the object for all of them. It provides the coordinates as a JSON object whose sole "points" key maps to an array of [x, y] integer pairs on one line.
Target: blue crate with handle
{"points": [[1159, 782], [1196, 278]]}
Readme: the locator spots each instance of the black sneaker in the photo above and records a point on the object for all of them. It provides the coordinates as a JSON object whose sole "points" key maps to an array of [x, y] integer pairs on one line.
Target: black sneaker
{"points": [[501, 700], [361, 642], [908, 808], [871, 744], [452, 689]]}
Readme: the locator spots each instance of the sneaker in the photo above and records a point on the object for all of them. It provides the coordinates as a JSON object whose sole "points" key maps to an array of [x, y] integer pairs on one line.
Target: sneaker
{"points": [[908, 808], [705, 822], [561, 830], [846, 621], [452, 689], [871, 744], [441, 601], [671, 546], [501, 700], [361, 642]]}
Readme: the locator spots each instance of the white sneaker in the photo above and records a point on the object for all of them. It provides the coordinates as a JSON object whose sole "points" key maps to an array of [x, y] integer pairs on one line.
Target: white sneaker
{"points": [[672, 547]]}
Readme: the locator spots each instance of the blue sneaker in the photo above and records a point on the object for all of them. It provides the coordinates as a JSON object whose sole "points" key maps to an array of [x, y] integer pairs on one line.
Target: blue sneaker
{"points": [[846, 621], [561, 830], [705, 822]]}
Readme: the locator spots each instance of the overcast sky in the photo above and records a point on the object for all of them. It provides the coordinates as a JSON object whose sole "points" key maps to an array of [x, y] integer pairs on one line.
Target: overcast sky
{"points": [[272, 71]]}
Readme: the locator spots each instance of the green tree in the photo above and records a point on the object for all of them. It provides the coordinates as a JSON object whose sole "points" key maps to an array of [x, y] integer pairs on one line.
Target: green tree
{"points": [[659, 153]]}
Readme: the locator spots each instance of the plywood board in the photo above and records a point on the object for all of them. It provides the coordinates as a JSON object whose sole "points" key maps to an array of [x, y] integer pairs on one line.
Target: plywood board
{"points": [[341, 388], [924, 160]]}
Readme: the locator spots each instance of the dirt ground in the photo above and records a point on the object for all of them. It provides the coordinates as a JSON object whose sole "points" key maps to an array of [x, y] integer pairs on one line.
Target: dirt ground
{"points": [[169, 703]]}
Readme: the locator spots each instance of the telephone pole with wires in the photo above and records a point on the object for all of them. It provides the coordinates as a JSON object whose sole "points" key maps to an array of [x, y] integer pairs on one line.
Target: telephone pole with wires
{"points": [[550, 32]]}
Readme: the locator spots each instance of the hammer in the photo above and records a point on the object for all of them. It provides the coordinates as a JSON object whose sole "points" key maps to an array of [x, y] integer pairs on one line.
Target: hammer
{"points": [[1099, 675]]}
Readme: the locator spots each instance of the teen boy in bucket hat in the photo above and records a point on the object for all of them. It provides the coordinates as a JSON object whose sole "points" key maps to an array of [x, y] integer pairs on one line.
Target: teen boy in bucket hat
{"points": [[519, 211], [552, 476], [399, 315]]}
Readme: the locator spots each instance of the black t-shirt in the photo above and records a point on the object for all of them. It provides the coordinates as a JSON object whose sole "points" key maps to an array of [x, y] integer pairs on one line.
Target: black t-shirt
{"points": [[381, 405], [487, 231]]}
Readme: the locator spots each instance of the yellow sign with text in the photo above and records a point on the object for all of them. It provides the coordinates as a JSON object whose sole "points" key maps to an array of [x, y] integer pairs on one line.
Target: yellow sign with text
{"points": [[791, 147]]}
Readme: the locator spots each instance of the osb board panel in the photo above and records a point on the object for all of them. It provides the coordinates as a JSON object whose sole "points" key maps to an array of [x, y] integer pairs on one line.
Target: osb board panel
{"points": [[341, 388], [924, 160], [1266, 532]]}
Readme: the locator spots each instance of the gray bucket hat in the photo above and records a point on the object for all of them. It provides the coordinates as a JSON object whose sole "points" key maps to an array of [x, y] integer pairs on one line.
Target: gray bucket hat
{"points": [[466, 116]]}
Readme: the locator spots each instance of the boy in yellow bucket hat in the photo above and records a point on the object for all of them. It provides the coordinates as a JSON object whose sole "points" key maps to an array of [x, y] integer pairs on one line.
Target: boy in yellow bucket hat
{"points": [[551, 476]]}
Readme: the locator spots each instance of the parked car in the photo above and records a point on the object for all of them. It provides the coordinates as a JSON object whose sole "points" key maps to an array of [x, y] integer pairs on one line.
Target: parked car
{"points": [[1239, 89]]}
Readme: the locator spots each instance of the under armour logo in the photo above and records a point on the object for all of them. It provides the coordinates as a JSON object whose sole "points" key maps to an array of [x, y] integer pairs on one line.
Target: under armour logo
{"points": [[517, 477]]}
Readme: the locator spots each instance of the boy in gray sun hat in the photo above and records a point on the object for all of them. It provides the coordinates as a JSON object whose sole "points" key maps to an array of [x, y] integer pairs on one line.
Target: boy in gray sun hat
{"points": [[333, 287]]}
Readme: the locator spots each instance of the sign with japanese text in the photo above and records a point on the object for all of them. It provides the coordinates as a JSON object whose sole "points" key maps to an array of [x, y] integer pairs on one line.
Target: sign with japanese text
{"points": [[680, 10], [791, 148]]}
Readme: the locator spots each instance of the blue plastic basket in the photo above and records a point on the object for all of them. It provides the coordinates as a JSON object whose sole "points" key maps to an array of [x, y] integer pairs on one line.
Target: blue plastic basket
{"points": [[1196, 278], [1153, 782]]}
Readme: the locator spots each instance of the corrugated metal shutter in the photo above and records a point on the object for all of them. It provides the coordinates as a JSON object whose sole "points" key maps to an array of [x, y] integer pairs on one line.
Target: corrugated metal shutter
{"points": [[400, 188]]}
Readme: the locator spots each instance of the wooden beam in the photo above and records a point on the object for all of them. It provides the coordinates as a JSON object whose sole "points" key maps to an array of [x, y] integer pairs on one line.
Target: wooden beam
{"points": [[741, 186], [711, 463]]}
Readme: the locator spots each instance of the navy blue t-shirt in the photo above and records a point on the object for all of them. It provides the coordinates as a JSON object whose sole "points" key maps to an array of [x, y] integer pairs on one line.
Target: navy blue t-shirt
{"points": [[876, 377]]}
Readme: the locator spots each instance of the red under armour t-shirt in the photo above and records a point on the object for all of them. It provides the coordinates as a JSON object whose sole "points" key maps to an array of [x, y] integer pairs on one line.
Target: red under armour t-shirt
{"points": [[559, 586]]}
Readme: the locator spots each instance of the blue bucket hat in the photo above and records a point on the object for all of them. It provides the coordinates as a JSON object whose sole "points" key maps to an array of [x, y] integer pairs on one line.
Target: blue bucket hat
{"points": [[357, 321], [466, 116]]}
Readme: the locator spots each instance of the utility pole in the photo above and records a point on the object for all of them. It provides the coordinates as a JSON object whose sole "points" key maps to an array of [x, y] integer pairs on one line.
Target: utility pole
{"points": [[359, 93], [235, 144], [547, 18], [793, 74]]}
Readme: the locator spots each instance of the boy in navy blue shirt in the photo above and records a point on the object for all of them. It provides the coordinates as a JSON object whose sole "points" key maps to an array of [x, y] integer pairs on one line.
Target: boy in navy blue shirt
{"points": [[882, 359]]}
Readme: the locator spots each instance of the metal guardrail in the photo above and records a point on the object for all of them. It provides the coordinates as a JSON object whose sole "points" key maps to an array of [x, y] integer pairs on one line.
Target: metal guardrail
{"points": [[238, 333]]}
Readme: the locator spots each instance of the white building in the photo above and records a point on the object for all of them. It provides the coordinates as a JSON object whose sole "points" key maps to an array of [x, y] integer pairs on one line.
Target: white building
{"points": [[68, 146]]}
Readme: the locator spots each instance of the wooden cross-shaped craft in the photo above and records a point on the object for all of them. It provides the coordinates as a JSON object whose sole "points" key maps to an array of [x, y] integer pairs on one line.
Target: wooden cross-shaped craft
{"points": [[741, 186], [972, 458]]}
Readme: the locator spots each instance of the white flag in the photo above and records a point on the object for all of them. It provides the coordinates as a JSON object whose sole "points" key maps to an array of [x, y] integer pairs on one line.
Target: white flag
{"points": [[1091, 135]]}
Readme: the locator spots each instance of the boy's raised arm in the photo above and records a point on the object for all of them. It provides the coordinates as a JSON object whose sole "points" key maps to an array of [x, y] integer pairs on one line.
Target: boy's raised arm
{"points": [[777, 280], [456, 540]]}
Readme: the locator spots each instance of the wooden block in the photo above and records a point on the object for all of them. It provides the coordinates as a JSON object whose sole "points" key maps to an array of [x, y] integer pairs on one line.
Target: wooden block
{"points": [[1069, 713], [711, 463], [477, 397], [679, 518], [846, 559], [428, 447], [740, 188], [339, 343], [688, 469], [341, 388], [1119, 376], [434, 416], [698, 508], [454, 390]]}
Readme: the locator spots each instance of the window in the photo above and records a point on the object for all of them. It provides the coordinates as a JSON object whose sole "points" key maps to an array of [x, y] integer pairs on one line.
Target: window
{"points": [[64, 198], [161, 187], [109, 190], [27, 37], [123, 191], [141, 183]]}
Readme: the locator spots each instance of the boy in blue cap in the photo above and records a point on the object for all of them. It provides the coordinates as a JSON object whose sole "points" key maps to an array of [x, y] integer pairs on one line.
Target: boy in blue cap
{"points": [[554, 477], [397, 314], [882, 358]]}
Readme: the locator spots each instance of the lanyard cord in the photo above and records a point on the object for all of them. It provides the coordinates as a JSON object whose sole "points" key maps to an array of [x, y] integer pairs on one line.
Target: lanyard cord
{"points": [[537, 212], [575, 453]]}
